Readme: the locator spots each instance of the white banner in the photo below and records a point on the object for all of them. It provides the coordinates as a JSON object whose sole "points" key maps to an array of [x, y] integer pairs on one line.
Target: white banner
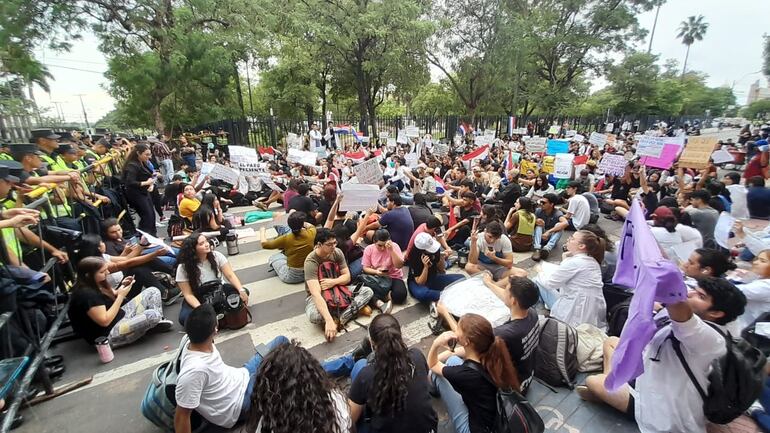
{"points": [[597, 139], [401, 137], [535, 144], [650, 146], [237, 153], [302, 157], [225, 173], [368, 172], [412, 131], [359, 196]]}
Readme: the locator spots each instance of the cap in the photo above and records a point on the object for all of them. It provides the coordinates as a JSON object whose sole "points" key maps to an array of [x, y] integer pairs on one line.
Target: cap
{"points": [[65, 135], [103, 142], [5, 174], [66, 148], [426, 242], [44, 133], [663, 212], [761, 142], [19, 150]]}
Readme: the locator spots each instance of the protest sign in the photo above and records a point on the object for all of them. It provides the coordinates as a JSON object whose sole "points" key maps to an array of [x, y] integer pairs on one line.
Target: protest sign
{"points": [[535, 144], [597, 139], [570, 133], [225, 173], [392, 142], [519, 131], [722, 156], [268, 180], [555, 146], [650, 146], [562, 166], [359, 197], [239, 152], [302, 157], [528, 165], [472, 296], [441, 149], [554, 129], [250, 165], [515, 157], [384, 135], [411, 160], [547, 165], [613, 164], [368, 172], [697, 152], [401, 137], [609, 127], [293, 140], [483, 140], [155, 242], [412, 131], [579, 138], [667, 157], [206, 168]]}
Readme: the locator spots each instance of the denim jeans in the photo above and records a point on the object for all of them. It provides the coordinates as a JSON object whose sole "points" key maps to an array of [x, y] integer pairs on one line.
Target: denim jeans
{"points": [[356, 268], [283, 271], [281, 229], [253, 366], [455, 406], [344, 366], [552, 240], [548, 296], [431, 292]]}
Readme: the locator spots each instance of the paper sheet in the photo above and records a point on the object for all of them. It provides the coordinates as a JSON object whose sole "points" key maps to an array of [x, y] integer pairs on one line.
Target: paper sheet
{"points": [[722, 156], [722, 229], [368, 172], [473, 296], [359, 197], [155, 241]]}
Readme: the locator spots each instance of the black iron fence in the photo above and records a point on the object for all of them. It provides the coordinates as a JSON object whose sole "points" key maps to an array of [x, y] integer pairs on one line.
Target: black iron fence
{"points": [[272, 131]]}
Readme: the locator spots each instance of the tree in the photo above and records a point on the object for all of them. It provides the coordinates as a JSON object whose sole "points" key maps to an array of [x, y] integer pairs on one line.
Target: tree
{"points": [[757, 110], [634, 83], [690, 31], [766, 57], [435, 99]]}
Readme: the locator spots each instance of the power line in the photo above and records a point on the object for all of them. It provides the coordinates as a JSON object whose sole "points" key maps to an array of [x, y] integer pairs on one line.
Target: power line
{"points": [[60, 59], [74, 69]]}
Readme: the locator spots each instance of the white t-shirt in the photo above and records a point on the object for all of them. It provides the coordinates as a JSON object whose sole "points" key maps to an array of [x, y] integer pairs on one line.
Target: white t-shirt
{"points": [[211, 387], [757, 300], [666, 400], [207, 274], [580, 209], [341, 411], [115, 277], [502, 245], [739, 208]]}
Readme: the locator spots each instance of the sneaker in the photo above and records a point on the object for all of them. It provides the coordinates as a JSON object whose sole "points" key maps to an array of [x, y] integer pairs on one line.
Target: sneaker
{"points": [[544, 253], [436, 325], [164, 325], [351, 312], [386, 307], [536, 255], [433, 310], [363, 350], [170, 295]]}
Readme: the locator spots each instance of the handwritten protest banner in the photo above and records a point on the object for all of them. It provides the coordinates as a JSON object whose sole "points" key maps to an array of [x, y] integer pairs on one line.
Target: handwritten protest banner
{"points": [[302, 157], [535, 144], [650, 146], [268, 180], [519, 131], [570, 133], [368, 172], [722, 156], [562, 166], [579, 138], [554, 129], [249, 165], [441, 149], [555, 146], [613, 164], [697, 152], [293, 140], [547, 165], [225, 173], [401, 137], [412, 131], [359, 197], [482, 140], [667, 157], [528, 165], [383, 136], [597, 139], [239, 152], [392, 142]]}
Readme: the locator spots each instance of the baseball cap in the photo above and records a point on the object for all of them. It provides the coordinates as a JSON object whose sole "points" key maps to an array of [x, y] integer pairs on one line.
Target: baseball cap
{"points": [[44, 133], [426, 242], [5, 174], [663, 212]]}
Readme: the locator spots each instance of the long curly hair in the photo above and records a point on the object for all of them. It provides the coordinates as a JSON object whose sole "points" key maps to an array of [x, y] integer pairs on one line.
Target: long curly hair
{"points": [[492, 350], [292, 394], [393, 369], [188, 259]]}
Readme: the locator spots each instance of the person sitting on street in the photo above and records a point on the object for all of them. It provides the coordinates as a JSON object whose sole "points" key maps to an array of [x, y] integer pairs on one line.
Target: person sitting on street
{"points": [[427, 270], [295, 246], [491, 252], [382, 262], [549, 227]]}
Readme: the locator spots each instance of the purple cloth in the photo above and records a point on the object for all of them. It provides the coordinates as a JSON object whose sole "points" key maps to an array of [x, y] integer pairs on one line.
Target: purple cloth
{"points": [[642, 267]]}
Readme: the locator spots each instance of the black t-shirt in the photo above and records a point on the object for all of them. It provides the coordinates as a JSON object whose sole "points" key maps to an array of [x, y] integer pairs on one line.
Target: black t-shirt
{"points": [[478, 393], [417, 416], [467, 214], [416, 265], [420, 214], [114, 248], [301, 203], [83, 300], [520, 336]]}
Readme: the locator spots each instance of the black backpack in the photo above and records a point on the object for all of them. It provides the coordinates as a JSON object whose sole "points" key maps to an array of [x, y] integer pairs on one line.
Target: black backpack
{"points": [[735, 380], [514, 412], [176, 226], [557, 363], [617, 317]]}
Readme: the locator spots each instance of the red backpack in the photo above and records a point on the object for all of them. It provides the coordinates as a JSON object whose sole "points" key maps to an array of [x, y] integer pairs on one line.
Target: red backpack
{"points": [[338, 298]]}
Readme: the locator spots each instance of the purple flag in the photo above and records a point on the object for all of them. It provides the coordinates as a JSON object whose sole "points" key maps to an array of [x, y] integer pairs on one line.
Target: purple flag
{"points": [[642, 267]]}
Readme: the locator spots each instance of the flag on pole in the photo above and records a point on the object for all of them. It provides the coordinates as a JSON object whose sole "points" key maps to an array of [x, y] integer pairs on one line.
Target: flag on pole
{"points": [[440, 186], [480, 153], [511, 125], [508, 162]]}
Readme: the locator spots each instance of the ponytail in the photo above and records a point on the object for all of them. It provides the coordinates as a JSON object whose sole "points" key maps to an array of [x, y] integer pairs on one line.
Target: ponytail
{"points": [[393, 369], [595, 245], [497, 361]]}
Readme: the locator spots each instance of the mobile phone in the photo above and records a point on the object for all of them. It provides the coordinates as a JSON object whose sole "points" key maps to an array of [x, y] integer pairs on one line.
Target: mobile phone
{"points": [[490, 249], [144, 242], [452, 343], [383, 270]]}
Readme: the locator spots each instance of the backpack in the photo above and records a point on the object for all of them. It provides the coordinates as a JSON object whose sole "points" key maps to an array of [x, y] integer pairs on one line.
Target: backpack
{"points": [[759, 341], [617, 317], [159, 402], [514, 412], [338, 298], [557, 362], [176, 226], [735, 380]]}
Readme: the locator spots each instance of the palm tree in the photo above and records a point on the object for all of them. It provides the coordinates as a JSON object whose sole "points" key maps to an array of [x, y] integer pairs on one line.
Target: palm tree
{"points": [[690, 31]]}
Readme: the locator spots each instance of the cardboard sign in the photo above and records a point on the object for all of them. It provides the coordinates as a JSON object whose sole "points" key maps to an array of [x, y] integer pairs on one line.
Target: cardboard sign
{"points": [[697, 152], [359, 197], [650, 146], [547, 165], [555, 147], [562, 166], [225, 173], [613, 164], [412, 131], [535, 144], [302, 157], [597, 139], [401, 137], [368, 172], [554, 129], [528, 165]]}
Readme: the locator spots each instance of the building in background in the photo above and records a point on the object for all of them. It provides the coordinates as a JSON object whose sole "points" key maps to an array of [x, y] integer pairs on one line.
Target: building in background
{"points": [[757, 93]]}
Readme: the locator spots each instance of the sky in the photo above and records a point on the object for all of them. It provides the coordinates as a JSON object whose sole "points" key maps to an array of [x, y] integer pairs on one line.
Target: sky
{"points": [[730, 53]]}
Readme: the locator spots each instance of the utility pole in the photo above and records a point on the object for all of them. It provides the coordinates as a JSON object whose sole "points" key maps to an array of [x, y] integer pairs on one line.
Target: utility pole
{"points": [[85, 116], [654, 24], [59, 113]]}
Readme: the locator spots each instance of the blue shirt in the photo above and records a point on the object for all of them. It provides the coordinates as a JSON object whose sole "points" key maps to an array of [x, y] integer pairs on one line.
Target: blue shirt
{"points": [[758, 199]]}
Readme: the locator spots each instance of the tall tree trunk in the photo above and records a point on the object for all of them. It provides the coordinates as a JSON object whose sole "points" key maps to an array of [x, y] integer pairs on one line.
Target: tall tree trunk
{"points": [[686, 56], [372, 119], [323, 102]]}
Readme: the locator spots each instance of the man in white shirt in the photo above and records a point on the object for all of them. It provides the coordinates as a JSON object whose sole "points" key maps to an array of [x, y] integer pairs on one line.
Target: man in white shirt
{"points": [[738, 192], [218, 392], [578, 212], [315, 137], [663, 399]]}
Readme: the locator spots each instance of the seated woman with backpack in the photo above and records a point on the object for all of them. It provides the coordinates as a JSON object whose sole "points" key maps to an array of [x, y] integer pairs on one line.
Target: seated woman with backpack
{"points": [[469, 388], [427, 270], [209, 216], [295, 246], [100, 309], [382, 263], [198, 265]]}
